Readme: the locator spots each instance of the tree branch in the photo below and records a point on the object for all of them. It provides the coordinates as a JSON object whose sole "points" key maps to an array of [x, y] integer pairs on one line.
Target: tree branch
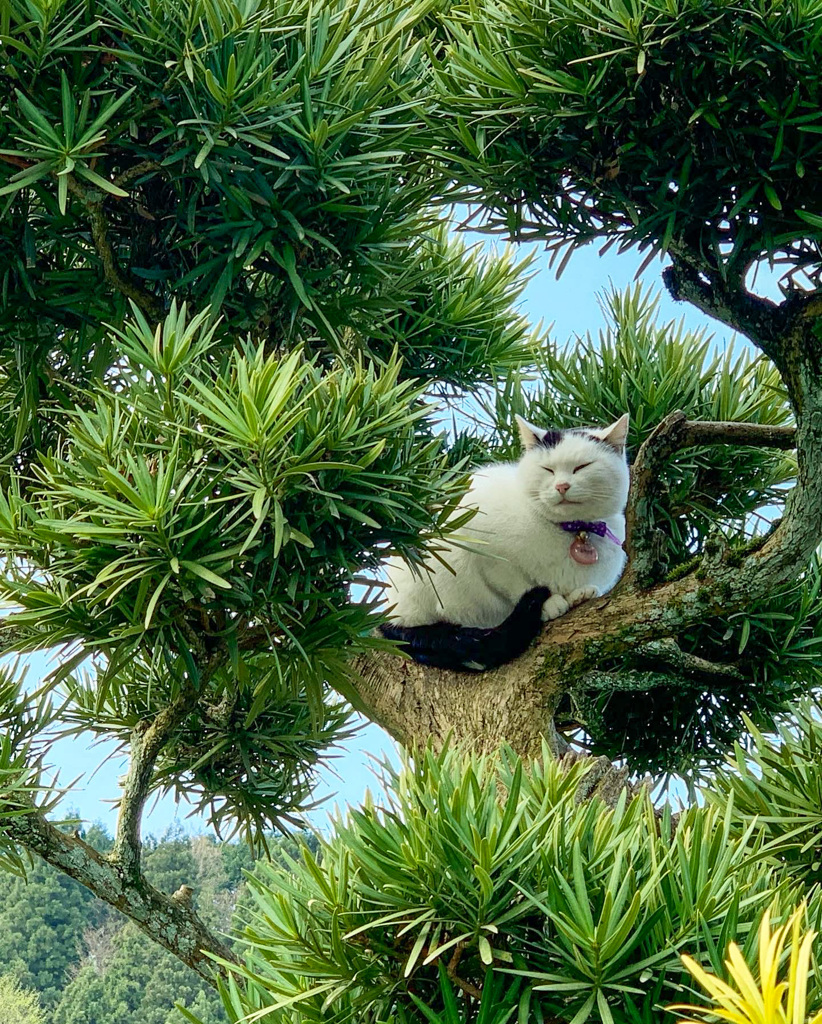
{"points": [[451, 970], [668, 652], [646, 543], [149, 303], [136, 171], [753, 435], [147, 740], [169, 921], [604, 781], [759, 319]]}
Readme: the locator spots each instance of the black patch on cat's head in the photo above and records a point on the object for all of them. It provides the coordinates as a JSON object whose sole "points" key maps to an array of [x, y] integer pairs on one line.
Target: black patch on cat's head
{"points": [[550, 439], [615, 448]]}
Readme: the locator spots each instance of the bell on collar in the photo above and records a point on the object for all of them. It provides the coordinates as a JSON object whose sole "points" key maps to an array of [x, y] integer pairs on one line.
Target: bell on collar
{"points": [[582, 550]]}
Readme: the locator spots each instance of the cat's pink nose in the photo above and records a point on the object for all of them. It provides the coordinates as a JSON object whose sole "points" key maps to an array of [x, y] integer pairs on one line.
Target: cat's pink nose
{"points": [[562, 488]]}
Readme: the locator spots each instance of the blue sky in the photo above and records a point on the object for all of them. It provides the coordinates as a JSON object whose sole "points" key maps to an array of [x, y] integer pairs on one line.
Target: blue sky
{"points": [[571, 305]]}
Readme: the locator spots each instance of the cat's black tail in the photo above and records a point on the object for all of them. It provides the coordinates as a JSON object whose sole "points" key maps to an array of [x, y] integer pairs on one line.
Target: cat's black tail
{"points": [[469, 649]]}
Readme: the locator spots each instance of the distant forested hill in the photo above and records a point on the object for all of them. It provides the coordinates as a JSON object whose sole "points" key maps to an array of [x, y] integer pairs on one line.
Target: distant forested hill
{"points": [[86, 964]]}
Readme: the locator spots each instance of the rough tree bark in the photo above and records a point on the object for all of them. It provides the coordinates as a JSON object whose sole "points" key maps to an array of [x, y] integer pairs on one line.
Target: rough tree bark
{"points": [[170, 921]]}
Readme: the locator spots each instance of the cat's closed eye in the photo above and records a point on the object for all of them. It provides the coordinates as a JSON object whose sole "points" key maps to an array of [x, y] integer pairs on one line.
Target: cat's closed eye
{"points": [[583, 466], [548, 470]]}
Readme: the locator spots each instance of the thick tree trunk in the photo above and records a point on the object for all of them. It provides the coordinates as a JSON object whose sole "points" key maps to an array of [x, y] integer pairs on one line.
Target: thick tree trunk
{"points": [[415, 704]]}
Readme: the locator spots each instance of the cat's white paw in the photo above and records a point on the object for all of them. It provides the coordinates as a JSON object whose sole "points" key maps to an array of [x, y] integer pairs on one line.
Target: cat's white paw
{"points": [[555, 606], [583, 594]]}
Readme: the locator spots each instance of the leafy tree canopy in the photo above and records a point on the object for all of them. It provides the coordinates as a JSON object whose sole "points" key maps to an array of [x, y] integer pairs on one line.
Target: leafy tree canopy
{"points": [[691, 128], [232, 313], [449, 904], [18, 1006]]}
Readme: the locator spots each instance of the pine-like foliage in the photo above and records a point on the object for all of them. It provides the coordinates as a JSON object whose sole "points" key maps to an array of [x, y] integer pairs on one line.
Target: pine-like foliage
{"points": [[671, 125], [206, 491], [771, 1000], [486, 890], [243, 156], [232, 314], [192, 475]]}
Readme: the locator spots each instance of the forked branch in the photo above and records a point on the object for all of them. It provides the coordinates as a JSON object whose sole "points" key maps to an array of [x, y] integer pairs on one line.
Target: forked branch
{"points": [[149, 303], [645, 541]]}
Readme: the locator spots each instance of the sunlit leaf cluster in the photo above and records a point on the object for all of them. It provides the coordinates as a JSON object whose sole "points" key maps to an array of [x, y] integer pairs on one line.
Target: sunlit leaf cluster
{"points": [[256, 478], [776, 783], [253, 157], [772, 998], [485, 890]]}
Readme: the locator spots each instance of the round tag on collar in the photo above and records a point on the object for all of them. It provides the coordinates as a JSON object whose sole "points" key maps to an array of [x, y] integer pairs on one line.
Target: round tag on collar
{"points": [[582, 550]]}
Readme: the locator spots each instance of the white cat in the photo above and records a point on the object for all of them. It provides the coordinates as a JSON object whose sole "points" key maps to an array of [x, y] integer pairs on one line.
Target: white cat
{"points": [[525, 535]]}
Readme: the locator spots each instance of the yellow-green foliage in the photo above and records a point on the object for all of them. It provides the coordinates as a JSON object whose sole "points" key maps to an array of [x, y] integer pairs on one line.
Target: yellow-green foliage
{"points": [[770, 999], [18, 1006]]}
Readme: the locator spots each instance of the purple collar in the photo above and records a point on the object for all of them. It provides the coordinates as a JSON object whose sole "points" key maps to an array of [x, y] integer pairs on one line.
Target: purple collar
{"points": [[600, 529]]}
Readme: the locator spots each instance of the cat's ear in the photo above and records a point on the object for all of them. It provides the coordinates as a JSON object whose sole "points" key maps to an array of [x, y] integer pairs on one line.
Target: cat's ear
{"points": [[615, 435], [528, 433]]}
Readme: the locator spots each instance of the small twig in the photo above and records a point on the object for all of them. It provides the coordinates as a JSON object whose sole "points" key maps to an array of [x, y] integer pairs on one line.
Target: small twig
{"points": [[456, 956], [668, 652], [130, 173], [466, 986], [15, 161], [149, 303], [451, 970], [99, 233]]}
